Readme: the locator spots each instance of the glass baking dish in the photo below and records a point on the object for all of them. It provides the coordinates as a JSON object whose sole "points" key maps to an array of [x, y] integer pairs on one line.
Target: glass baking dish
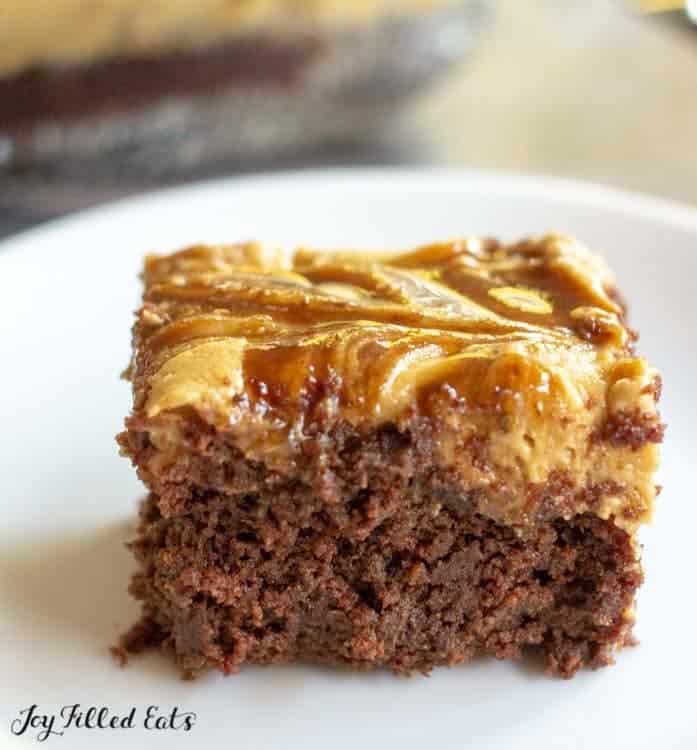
{"points": [[269, 92]]}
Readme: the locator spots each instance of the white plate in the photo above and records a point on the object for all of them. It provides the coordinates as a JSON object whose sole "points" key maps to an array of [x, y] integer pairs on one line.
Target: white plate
{"points": [[66, 296]]}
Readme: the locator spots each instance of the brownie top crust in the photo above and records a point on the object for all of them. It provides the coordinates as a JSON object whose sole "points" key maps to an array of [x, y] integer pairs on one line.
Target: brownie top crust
{"points": [[72, 32], [521, 350]]}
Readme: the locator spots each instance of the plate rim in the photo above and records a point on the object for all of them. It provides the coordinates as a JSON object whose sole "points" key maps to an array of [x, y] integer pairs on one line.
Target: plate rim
{"points": [[431, 179]]}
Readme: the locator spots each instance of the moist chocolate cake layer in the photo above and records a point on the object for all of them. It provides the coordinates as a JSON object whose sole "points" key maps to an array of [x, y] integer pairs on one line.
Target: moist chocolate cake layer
{"points": [[229, 584], [395, 565]]}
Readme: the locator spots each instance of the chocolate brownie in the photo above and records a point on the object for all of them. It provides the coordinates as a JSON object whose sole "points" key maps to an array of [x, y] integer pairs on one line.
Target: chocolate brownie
{"points": [[123, 56], [380, 460], [110, 87]]}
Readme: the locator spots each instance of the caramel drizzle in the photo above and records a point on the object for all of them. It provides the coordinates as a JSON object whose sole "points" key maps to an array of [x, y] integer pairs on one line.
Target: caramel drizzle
{"points": [[298, 307], [325, 316]]}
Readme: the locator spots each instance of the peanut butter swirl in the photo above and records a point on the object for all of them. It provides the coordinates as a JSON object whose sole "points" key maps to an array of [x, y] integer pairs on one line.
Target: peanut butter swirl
{"points": [[524, 342], [497, 324]]}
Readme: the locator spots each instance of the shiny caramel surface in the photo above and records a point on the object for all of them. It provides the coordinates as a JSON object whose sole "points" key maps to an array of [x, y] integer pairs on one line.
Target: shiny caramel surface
{"points": [[502, 327], [522, 347]]}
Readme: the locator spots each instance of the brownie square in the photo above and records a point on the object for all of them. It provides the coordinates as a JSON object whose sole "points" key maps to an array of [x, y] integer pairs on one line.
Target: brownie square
{"points": [[385, 460]]}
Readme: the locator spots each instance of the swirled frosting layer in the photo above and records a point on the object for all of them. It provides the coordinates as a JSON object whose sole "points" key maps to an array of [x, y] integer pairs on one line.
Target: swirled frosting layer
{"points": [[525, 344]]}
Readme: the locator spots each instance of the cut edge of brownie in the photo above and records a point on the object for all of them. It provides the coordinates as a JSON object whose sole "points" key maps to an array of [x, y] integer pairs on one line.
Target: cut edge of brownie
{"points": [[400, 569]]}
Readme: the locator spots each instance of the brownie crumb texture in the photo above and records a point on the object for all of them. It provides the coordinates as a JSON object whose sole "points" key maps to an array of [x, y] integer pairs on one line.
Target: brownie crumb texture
{"points": [[405, 575]]}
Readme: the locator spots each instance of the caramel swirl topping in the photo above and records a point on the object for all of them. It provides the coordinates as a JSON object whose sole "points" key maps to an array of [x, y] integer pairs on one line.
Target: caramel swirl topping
{"points": [[502, 327], [522, 347]]}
